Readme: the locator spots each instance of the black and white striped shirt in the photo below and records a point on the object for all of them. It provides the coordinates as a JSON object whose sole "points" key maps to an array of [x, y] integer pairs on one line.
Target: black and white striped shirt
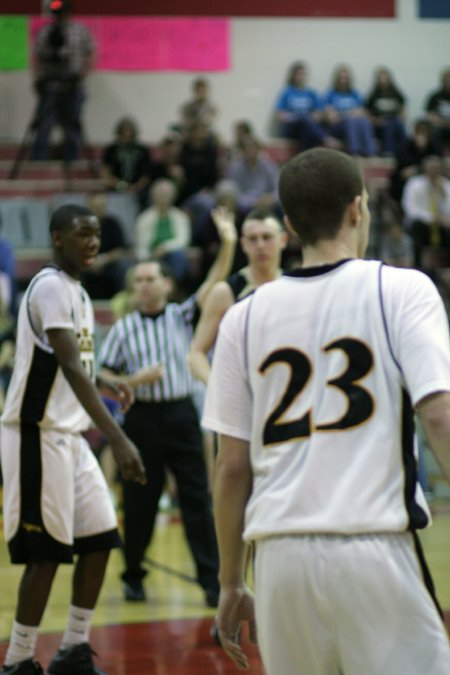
{"points": [[138, 341]]}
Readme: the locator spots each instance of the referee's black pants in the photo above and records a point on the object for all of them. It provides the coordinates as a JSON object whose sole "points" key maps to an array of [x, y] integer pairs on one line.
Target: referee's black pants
{"points": [[168, 434]]}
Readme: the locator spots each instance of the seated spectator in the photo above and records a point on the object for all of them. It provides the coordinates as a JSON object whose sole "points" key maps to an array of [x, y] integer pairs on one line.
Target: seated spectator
{"points": [[199, 159], [166, 160], [199, 109], [410, 156], [106, 276], [426, 205], [126, 163], [396, 246], [345, 117], [298, 109], [163, 231], [241, 130], [386, 107], [256, 177], [438, 111]]}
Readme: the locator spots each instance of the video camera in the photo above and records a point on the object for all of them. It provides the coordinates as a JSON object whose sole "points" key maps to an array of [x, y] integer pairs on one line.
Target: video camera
{"points": [[58, 6]]}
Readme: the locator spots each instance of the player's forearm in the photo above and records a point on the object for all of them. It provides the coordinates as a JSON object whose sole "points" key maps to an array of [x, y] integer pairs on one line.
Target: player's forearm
{"points": [[434, 413], [219, 270], [199, 365], [232, 489]]}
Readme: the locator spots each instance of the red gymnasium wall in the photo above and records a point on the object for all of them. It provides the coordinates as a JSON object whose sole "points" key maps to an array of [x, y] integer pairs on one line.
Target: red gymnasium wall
{"points": [[306, 8]]}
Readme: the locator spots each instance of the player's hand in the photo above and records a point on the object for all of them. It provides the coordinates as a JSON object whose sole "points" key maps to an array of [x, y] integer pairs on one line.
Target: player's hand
{"points": [[119, 391], [224, 221], [128, 459], [236, 605]]}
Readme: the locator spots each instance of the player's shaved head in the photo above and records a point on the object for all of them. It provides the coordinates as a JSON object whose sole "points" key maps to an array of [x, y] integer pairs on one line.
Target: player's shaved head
{"points": [[315, 188]]}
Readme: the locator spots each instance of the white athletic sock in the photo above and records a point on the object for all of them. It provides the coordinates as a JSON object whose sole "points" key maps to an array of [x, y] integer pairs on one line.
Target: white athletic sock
{"points": [[78, 627], [22, 644]]}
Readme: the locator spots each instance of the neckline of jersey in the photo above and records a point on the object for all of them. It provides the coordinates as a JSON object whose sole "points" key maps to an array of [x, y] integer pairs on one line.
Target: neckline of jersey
{"points": [[316, 270]]}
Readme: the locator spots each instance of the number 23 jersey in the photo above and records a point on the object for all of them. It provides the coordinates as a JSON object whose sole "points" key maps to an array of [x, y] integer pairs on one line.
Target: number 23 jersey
{"points": [[319, 370], [38, 391]]}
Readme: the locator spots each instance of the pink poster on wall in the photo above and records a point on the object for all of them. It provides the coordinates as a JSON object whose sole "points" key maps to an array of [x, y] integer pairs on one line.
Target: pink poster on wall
{"points": [[147, 44]]}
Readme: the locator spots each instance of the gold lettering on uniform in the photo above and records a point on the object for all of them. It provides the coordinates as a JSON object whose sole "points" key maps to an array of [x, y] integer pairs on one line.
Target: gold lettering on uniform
{"points": [[85, 341], [29, 527]]}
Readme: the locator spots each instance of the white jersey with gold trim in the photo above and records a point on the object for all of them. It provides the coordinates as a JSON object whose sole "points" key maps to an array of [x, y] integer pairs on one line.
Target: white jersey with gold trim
{"points": [[38, 391], [318, 371]]}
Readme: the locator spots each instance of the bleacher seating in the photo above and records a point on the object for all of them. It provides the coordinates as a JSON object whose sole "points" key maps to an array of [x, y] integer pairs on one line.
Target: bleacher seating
{"points": [[27, 202]]}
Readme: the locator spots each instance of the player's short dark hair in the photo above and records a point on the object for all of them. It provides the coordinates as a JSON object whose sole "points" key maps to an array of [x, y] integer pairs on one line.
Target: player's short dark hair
{"points": [[261, 213], [63, 217], [315, 189]]}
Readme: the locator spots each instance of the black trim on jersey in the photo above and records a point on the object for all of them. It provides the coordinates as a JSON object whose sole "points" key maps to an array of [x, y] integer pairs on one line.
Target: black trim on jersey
{"points": [[104, 541], [237, 282], [301, 272], [41, 376], [418, 519], [32, 543], [246, 345], [383, 316], [426, 574], [30, 288]]}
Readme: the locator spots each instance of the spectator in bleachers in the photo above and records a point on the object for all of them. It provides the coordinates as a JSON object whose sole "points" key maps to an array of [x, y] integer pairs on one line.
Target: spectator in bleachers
{"points": [[126, 163], [345, 117], [166, 160], [241, 130], [298, 109], [386, 107], [256, 177], [396, 245], [199, 159], [410, 156], [106, 276], [163, 231], [199, 109], [438, 111], [426, 205], [64, 53]]}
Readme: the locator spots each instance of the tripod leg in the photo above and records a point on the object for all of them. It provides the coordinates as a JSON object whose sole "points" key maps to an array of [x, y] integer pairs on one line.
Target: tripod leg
{"points": [[21, 152], [88, 153], [27, 139]]}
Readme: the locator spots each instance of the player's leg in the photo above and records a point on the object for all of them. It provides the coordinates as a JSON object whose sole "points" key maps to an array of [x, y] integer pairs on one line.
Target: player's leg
{"points": [[295, 624], [38, 521], [95, 534], [387, 620]]}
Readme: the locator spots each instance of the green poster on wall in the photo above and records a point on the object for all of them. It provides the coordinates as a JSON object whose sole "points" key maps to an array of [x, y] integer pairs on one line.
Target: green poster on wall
{"points": [[13, 42]]}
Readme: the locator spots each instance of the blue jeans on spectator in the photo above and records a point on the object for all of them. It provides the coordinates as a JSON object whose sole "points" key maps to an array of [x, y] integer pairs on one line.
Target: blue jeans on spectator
{"points": [[357, 134], [391, 134], [305, 130]]}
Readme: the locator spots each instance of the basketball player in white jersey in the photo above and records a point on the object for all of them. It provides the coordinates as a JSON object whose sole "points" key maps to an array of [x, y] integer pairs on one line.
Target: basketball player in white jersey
{"points": [[262, 241], [55, 499], [314, 382]]}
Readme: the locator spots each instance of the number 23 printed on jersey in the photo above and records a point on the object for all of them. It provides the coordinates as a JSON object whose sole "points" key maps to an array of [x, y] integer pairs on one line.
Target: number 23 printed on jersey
{"points": [[360, 404]]}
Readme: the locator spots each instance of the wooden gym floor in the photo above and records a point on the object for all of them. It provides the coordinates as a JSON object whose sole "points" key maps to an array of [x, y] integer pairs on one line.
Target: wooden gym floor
{"points": [[169, 634]]}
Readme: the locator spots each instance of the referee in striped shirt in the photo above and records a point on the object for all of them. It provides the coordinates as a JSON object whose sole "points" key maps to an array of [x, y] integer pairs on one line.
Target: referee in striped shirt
{"points": [[148, 350]]}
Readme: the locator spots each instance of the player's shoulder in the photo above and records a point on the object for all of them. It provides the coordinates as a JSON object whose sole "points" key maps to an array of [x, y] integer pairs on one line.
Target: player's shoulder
{"points": [[49, 279]]}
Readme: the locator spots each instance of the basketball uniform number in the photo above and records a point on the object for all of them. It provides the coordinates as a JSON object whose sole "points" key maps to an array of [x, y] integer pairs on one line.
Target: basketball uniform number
{"points": [[360, 402]]}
